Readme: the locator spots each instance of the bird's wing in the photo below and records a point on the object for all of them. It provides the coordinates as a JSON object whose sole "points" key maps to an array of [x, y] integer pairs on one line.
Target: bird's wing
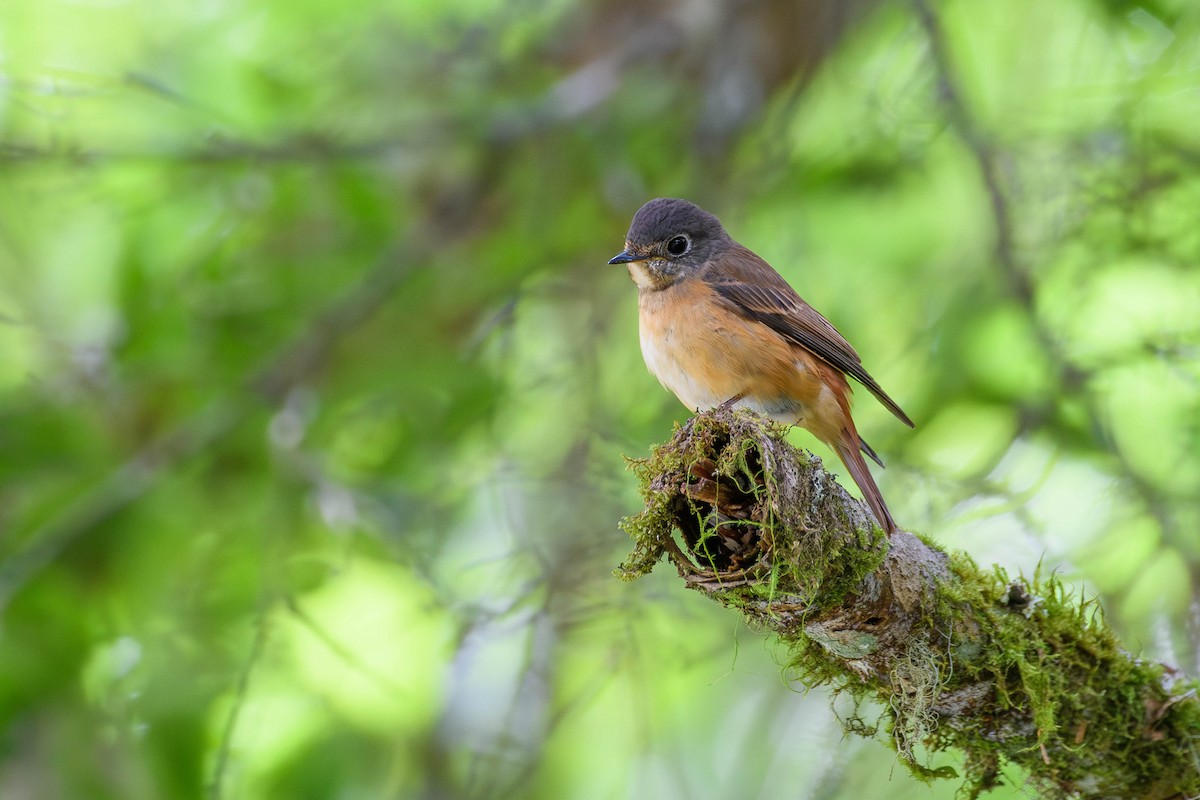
{"points": [[752, 288]]}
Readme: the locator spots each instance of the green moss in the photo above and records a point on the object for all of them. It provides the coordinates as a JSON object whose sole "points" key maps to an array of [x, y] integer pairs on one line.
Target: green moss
{"points": [[659, 477], [1055, 663], [810, 559], [835, 566], [1005, 670]]}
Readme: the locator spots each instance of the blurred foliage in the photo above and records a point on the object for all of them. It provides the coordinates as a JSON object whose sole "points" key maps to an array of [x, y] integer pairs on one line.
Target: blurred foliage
{"points": [[314, 386]]}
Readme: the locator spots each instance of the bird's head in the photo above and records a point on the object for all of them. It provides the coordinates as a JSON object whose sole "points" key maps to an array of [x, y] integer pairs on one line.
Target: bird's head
{"points": [[669, 240]]}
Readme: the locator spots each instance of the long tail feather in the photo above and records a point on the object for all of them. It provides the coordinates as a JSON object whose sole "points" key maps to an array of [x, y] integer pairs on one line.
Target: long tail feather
{"points": [[871, 454], [849, 451]]}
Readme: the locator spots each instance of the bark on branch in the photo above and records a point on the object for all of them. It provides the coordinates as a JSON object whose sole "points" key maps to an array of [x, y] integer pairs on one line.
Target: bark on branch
{"points": [[1006, 670]]}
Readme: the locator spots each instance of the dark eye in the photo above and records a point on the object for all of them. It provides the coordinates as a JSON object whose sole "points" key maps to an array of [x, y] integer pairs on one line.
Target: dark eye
{"points": [[677, 246]]}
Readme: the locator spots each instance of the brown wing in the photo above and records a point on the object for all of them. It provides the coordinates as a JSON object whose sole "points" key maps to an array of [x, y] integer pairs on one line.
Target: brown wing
{"points": [[755, 290]]}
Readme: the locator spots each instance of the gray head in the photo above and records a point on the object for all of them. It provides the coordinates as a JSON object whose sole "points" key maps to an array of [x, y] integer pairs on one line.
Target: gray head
{"points": [[670, 239]]}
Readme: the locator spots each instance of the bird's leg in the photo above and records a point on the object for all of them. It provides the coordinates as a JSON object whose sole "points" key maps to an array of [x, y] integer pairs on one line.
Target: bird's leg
{"points": [[728, 404]]}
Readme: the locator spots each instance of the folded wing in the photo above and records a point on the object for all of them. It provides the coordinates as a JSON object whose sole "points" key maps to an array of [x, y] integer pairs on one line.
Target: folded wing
{"points": [[756, 291]]}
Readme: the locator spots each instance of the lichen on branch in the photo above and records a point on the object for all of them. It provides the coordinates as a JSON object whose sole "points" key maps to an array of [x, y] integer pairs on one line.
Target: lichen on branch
{"points": [[1004, 670]]}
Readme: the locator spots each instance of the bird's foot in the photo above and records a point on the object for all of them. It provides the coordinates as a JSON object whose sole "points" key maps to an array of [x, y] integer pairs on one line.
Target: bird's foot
{"points": [[731, 402]]}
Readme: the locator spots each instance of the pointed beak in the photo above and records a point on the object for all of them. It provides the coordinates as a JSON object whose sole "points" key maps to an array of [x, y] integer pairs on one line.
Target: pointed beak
{"points": [[624, 258]]}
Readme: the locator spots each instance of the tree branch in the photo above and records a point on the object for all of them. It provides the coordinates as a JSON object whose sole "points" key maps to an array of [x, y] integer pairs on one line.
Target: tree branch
{"points": [[1008, 671]]}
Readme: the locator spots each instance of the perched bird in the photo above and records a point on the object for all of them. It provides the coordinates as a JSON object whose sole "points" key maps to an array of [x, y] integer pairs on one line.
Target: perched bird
{"points": [[720, 325]]}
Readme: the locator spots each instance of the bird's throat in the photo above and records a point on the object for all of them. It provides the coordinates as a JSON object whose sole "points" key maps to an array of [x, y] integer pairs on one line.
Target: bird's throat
{"points": [[647, 278], [642, 275]]}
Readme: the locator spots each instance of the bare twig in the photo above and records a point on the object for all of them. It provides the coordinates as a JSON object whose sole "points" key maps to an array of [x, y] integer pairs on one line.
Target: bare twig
{"points": [[1072, 377], [216, 781]]}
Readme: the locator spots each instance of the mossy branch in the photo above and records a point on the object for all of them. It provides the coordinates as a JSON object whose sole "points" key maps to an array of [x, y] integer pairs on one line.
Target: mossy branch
{"points": [[1004, 670]]}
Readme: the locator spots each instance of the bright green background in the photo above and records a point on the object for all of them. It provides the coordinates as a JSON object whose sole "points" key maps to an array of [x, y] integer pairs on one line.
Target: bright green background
{"points": [[314, 385]]}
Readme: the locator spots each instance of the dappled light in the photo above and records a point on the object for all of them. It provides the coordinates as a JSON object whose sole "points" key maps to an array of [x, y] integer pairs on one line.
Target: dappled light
{"points": [[318, 400]]}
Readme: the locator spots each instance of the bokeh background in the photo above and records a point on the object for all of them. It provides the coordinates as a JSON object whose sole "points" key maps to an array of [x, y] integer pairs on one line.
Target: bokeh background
{"points": [[315, 387]]}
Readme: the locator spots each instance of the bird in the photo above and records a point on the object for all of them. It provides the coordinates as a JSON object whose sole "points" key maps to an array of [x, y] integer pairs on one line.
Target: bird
{"points": [[719, 326]]}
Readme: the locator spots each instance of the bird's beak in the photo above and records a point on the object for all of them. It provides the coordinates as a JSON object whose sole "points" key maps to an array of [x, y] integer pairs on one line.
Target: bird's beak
{"points": [[625, 258]]}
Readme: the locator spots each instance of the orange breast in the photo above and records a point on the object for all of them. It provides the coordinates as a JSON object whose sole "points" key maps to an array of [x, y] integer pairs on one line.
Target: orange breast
{"points": [[705, 353]]}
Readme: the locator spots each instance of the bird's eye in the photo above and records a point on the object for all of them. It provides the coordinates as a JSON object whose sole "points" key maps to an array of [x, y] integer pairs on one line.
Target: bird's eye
{"points": [[678, 246]]}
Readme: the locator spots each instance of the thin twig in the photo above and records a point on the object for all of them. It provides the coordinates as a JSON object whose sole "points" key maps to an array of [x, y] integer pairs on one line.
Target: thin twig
{"points": [[1070, 375], [985, 157], [239, 700]]}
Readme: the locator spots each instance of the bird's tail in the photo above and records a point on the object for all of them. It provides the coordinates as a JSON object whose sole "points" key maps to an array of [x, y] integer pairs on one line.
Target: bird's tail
{"points": [[848, 449]]}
